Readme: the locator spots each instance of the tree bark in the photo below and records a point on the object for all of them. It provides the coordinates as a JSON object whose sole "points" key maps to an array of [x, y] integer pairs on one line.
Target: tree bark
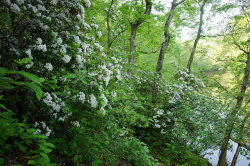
{"points": [[132, 59], [197, 37], [163, 49], [222, 158], [240, 138], [134, 26], [236, 155]]}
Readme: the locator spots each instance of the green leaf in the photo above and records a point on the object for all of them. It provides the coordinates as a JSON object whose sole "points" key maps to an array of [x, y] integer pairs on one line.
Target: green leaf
{"points": [[70, 75], [45, 149], [97, 162], [31, 77], [49, 144], [23, 61], [30, 162], [4, 71], [2, 106], [35, 88], [1, 161]]}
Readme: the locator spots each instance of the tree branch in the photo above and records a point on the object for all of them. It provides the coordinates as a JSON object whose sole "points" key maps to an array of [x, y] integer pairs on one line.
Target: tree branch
{"points": [[243, 144], [246, 52], [178, 3]]}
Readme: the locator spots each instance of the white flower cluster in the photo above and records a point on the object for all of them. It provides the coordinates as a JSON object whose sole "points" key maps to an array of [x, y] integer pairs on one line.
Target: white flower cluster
{"points": [[93, 101], [104, 99], [107, 75], [56, 105], [95, 26], [123, 132], [44, 127], [113, 94], [66, 59], [191, 79], [48, 66], [87, 3], [76, 123], [14, 8], [40, 46], [31, 63], [98, 46], [161, 123], [99, 34], [81, 97], [77, 39]]}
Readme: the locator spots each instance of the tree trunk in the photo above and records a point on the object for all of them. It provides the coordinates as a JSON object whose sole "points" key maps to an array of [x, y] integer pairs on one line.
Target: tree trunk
{"points": [[236, 155], [197, 38], [134, 26], [163, 49], [223, 149], [240, 138], [132, 59]]}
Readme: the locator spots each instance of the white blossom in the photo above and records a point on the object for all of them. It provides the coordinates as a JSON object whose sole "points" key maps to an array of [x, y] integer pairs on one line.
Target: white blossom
{"points": [[118, 76], [103, 111], [106, 77], [63, 49], [87, 3], [99, 34], [113, 94], [81, 97], [76, 123], [42, 47], [54, 2], [29, 65], [99, 46], [104, 99], [48, 66], [14, 8], [39, 41], [66, 59], [95, 26], [59, 41], [77, 39], [48, 131], [93, 101]]}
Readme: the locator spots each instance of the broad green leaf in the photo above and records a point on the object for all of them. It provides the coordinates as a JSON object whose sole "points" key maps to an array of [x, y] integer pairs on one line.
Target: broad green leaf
{"points": [[4, 71], [30, 162], [35, 88], [2, 106], [23, 61], [31, 77], [70, 75], [49, 144]]}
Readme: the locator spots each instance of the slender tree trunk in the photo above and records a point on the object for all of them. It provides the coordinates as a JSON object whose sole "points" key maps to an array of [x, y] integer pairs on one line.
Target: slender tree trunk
{"points": [[163, 49], [236, 155], [132, 59], [197, 37], [134, 26], [108, 15], [223, 150], [240, 137]]}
